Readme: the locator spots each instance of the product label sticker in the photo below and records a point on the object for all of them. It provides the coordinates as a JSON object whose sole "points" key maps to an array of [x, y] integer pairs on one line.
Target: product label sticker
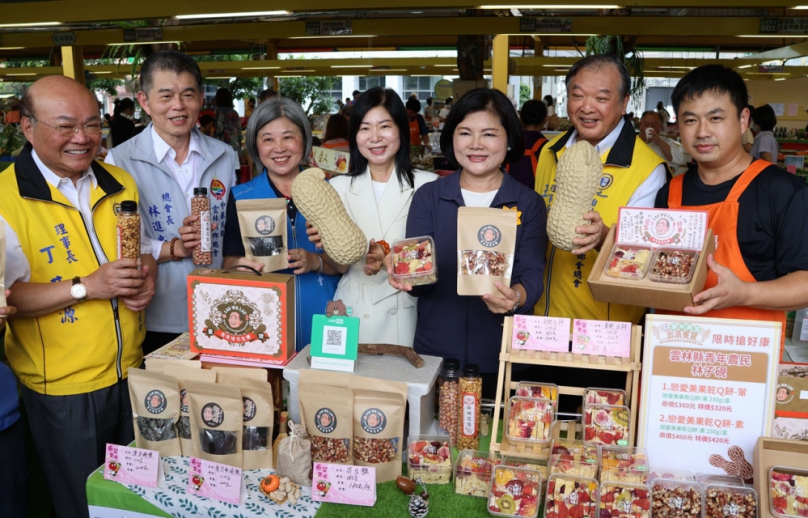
{"points": [[249, 408], [133, 466], [212, 415], [325, 420], [657, 228], [373, 420], [340, 484], [155, 402], [601, 338]]}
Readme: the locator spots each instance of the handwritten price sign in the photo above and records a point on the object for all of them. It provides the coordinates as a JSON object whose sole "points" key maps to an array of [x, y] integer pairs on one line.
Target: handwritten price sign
{"points": [[340, 484], [132, 466], [601, 338], [217, 481], [533, 333]]}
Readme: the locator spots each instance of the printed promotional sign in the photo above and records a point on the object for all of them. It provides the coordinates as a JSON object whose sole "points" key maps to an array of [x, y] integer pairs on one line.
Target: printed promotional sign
{"points": [[217, 481], [682, 229], [341, 484], [708, 389], [133, 466], [601, 338], [334, 342], [533, 333]]}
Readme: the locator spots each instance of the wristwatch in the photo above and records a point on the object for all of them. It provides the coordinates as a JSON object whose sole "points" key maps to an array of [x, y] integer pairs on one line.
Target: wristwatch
{"points": [[78, 290]]}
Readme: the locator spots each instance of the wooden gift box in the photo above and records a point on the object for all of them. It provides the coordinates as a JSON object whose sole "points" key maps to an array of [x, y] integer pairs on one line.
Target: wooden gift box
{"points": [[242, 313]]}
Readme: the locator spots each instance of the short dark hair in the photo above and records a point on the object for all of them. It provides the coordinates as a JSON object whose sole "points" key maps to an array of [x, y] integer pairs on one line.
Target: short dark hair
{"points": [[548, 99], [122, 104], [356, 92], [764, 117], [26, 105], [711, 78], [598, 61], [389, 100], [413, 104], [429, 101], [534, 113], [269, 93], [206, 119], [652, 112], [170, 60], [479, 100], [337, 127], [224, 99]]}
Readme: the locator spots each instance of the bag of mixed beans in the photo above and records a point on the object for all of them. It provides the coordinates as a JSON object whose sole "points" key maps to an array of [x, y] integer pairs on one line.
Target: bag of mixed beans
{"points": [[259, 420], [486, 243], [327, 413], [183, 374], [155, 400], [216, 422]]}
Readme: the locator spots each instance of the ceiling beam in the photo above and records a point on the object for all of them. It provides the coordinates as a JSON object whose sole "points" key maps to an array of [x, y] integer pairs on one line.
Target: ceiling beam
{"points": [[792, 51]]}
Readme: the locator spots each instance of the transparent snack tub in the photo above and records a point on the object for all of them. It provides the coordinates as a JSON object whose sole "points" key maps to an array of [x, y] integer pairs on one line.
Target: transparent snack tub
{"points": [[725, 480], [672, 498], [604, 396], [414, 261], [656, 472], [429, 457], [571, 457], [624, 500], [607, 424], [537, 390], [725, 501], [627, 464], [629, 262], [569, 496], [473, 471], [788, 492], [514, 492], [530, 420], [673, 266]]}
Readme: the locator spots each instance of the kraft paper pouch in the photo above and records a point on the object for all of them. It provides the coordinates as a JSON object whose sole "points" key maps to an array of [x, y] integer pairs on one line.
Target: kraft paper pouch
{"points": [[486, 243], [259, 420], [182, 374], [263, 231], [158, 365], [327, 412], [155, 402], [216, 422], [240, 373]]}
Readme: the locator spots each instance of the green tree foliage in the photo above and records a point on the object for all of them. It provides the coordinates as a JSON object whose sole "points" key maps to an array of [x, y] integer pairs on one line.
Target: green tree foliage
{"points": [[524, 94], [240, 87], [635, 62], [310, 92]]}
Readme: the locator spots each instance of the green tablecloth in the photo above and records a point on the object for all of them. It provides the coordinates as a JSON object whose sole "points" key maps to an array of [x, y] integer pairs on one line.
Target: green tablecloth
{"points": [[105, 493]]}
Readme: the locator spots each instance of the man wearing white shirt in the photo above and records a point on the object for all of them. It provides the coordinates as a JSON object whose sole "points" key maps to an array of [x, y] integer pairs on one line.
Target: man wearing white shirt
{"points": [[598, 93], [669, 149], [168, 160]]}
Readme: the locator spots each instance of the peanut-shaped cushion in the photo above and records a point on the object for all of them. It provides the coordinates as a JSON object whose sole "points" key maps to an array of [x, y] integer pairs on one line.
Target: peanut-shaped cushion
{"points": [[577, 178], [343, 241]]}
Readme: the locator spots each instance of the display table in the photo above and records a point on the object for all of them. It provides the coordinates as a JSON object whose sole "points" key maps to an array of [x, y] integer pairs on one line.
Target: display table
{"points": [[420, 383]]}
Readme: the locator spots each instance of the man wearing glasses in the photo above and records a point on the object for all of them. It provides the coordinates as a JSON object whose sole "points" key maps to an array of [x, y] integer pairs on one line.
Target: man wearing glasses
{"points": [[79, 323]]}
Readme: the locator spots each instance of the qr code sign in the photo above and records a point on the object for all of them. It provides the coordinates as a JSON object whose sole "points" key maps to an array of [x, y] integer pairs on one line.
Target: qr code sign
{"points": [[334, 339]]}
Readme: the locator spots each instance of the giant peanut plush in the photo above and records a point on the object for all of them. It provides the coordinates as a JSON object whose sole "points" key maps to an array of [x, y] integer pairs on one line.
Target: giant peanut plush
{"points": [[577, 178], [342, 240]]}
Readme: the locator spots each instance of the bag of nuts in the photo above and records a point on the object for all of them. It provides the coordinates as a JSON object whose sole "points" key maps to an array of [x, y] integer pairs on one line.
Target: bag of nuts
{"points": [[155, 402], [327, 412], [294, 456], [182, 374], [379, 426], [263, 230], [486, 243], [259, 419], [216, 422]]}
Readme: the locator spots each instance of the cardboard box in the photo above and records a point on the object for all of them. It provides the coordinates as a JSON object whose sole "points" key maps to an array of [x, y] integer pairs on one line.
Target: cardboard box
{"points": [[177, 349], [330, 160], [248, 315], [775, 452], [645, 292]]}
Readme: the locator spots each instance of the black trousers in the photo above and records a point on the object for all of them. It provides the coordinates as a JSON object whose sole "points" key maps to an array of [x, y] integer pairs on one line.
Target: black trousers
{"points": [[13, 472], [70, 434]]}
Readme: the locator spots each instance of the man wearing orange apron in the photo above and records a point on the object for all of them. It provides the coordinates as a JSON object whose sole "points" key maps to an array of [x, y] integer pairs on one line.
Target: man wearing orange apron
{"points": [[757, 211], [418, 129]]}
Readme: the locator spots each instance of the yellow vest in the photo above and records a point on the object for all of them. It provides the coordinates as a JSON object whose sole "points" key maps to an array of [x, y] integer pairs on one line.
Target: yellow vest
{"points": [[92, 344], [625, 167]]}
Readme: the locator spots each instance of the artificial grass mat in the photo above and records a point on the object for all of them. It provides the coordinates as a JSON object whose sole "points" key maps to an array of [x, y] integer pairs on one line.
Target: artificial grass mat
{"points": [[392, 503]]}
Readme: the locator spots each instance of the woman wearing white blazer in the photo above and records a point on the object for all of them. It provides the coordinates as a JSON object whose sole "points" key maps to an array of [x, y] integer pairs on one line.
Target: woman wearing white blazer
{"points": [[377, 195]]}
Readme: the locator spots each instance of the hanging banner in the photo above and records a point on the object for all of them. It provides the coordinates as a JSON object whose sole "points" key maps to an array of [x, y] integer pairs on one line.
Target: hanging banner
{"points": [[332, 28], [783, 26], [708, 389], [544, 25]]}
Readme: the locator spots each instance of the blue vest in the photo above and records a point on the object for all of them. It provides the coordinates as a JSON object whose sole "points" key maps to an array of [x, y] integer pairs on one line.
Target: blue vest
{"points": [[312, 290]]}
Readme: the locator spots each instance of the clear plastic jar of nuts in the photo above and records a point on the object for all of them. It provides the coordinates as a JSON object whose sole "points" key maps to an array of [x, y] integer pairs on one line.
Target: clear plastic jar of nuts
{"points": [[471, 390], [200, 206], [128, 231], [449, 397]]}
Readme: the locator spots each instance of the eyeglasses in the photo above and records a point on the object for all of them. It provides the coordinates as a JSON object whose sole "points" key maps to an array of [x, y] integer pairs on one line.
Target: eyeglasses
{"points": [[68, 130]]}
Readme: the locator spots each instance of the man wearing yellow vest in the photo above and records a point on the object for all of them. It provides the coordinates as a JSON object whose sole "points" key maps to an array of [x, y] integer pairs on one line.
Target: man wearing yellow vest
{"points": [[597, 96], [79, 323], [758, 212]]}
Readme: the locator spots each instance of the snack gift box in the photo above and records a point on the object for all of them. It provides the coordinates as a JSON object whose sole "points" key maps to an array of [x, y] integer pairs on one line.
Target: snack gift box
{"points": [[782, 455], [242, 313]]}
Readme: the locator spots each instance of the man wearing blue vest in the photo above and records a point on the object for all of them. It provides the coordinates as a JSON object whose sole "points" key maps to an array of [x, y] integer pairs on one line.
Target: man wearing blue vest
{"points": [[169, 159]]}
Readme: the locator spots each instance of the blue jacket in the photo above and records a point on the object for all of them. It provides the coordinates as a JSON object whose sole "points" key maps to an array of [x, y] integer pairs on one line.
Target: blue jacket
{"points": [[454, 326], [312, 290], [9, 398]]}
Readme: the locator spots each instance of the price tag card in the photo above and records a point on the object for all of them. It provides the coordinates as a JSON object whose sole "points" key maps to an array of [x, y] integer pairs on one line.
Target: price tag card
{"points": [[601, 338], [341, 484], [541, 333], [133, 466], [217, 481], [683, 229], [334, 342]]}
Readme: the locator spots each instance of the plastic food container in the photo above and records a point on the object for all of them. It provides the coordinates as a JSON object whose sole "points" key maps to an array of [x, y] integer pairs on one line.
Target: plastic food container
{"points": [[676, 498], [722, 501], [539, 465], [628, 262], [623, 500], [530, 420], [569, 496], [788, 492], [607, 425], [514, 492], [429, 457], [540, 390], [414, 261], [572, 457], [604, 396], [673, 266], [670, 474], [726, 480], [629, 465], [473, 470]]}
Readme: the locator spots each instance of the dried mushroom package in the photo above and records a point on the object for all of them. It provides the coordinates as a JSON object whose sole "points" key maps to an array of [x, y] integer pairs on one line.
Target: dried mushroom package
{"points": [[258, 418], [2, 265], [263, 231], [486, 242], [216, 422], [327, 412], [155, 402], [182, 374]]}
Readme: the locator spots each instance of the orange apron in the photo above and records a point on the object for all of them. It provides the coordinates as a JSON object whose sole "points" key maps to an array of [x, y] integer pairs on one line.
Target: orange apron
{"points": [[415, 133], [723, 219]]}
